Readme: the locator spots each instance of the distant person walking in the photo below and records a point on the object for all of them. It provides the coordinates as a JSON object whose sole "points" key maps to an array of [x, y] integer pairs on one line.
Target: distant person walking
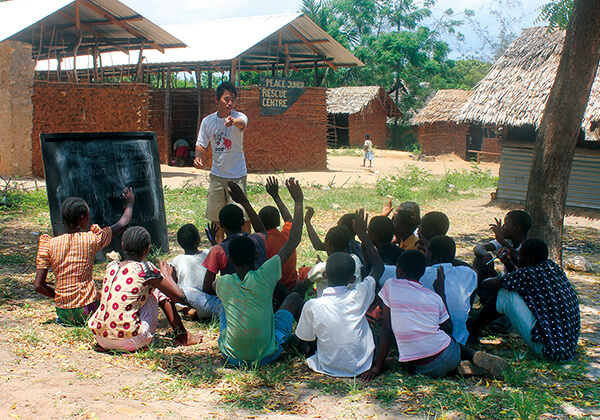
{"points": [[368, 149], [224, 130]]}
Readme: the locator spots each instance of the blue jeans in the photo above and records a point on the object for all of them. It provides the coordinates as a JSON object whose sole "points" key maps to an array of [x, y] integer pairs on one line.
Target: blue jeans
{"points": [[206, 305], [443, 364], [520, 316], [283, 323]]}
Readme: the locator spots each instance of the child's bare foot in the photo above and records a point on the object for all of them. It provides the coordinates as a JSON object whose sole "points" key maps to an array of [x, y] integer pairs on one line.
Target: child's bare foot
{"points": [[187, 339]]}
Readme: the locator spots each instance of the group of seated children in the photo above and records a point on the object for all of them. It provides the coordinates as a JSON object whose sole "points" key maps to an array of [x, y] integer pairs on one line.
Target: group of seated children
{"points": [[403, 267]]}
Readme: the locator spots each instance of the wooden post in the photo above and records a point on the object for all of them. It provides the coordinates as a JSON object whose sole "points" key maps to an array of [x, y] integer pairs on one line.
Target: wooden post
{"points": [[168, 113], [232, 71], [199, 97], [140, 63], [210, 79], [316, 74], [287, 60], [95, 55]]}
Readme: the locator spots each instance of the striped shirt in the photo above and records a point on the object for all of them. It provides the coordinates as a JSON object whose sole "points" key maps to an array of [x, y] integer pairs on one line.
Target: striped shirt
{"points": [[416, 315], [71, 258]]}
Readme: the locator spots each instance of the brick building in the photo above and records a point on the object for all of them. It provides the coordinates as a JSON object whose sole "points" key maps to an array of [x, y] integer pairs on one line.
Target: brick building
{"points": [[355, 111]]}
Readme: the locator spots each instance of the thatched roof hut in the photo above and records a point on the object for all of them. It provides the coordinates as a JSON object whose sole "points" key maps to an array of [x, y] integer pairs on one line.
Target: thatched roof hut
{"points": [[439, 128], [358, 110], [445, 106], [516, 89]]}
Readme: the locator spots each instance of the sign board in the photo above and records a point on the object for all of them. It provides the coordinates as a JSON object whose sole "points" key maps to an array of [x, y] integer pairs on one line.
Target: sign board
{"points": [[278, 94], [97, 167]]}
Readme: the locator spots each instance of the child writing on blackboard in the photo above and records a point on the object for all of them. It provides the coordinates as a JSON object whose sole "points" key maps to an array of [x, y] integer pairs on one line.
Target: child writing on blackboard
{"points": [[131, 295], [71, 258]]}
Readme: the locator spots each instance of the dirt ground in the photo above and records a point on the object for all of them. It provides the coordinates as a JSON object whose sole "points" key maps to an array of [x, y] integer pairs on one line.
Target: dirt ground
{"points": [[46, 373]]}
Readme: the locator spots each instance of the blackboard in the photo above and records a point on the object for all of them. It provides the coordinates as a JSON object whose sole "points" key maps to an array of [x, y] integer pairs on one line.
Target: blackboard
{"points": [[97, 167]]}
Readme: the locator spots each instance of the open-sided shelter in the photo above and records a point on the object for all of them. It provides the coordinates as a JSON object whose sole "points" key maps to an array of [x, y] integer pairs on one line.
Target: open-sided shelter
{"points": [[354, 111], [513, 95], [33, 30]]}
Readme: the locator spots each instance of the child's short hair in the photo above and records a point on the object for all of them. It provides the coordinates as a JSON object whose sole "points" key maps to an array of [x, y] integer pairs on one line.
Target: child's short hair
{"points": [[188, 237], [383, 227], [434, 223], [520, 218], [413, 208], [535, 249], [338, 238], [442, 248], [404, 219], [231, 217], [72, 210], [347, 220], [242, 251], [367, 136], [340, 268], [269, 216], [412, 263], [135, 240], [225, 86]]}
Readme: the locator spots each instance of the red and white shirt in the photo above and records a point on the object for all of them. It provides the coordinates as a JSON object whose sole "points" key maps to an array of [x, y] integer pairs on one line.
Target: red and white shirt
{"points": [[416, 314]]}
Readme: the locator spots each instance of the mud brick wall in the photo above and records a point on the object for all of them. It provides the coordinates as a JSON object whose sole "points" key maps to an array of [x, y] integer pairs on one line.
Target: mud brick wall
{"points": [[443, 137], [16, 89], [295, 140], [491, 146], [372, 121], [69, 107]]}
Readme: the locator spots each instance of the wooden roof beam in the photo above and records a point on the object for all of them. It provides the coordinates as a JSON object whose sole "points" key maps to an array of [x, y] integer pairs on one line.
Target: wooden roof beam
{"points": [[135, 18], [116, 21], [74, 20], [312, 47]]}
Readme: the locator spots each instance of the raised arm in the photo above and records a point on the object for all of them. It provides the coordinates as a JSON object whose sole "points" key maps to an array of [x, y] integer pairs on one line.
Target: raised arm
{"points": [[272, 188], [123, 222], [296, 230], [316, 242], [239, 197], [360, 227]]}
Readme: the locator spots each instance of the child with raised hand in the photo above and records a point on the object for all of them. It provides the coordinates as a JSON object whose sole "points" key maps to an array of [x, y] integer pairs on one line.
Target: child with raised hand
{"points": [[71, 258], [418, 319], [337, 320], [128, 314], [189, 273], [277, 238], [250, 331]]}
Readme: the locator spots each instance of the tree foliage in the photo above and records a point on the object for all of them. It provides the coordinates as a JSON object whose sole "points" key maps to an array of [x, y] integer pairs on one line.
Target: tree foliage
{"points": [[556, 14]]}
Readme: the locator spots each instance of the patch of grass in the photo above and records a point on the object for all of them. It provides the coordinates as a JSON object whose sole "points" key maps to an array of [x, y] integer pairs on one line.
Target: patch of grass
{"points": [[346, 151], [529, 405], [416, 184]]}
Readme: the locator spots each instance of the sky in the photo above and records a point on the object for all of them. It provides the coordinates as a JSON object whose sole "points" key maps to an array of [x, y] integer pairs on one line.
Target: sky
{"points": [[522, 14]]}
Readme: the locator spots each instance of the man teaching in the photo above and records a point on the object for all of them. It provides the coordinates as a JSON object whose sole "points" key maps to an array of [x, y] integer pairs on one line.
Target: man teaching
{"points": [[224, 130]]}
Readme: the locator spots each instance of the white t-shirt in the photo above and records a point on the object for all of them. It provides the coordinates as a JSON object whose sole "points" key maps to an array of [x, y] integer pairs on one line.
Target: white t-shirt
{"points": [[416, 314], [189, 269], [337, 320], [460, 283], [315, 275], [227, 145]]}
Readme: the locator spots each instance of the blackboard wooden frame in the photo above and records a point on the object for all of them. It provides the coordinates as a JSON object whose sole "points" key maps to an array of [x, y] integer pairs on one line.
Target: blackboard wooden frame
{"points": [[97, 167]]}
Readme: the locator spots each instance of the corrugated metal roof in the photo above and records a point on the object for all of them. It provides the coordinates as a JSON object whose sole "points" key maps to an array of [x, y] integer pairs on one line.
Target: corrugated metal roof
{"points": [[583, 190], [51, 23], [252, 40]]}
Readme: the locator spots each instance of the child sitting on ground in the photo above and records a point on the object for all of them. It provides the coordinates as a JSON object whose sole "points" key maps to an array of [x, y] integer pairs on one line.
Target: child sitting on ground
{"points": [[231, 220], [189, 273], [128, 314], [337, 320], [250, 332], [460, 283], [71, 258], [509, 235], [539, 301], [433, 224], [381, 233], [269, 215], [419, 320], [404, 229]]}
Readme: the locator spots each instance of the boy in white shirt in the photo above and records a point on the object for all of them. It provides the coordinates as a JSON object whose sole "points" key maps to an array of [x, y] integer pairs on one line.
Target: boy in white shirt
{"points": [[189, 273], [460, 282], [337, 320]]}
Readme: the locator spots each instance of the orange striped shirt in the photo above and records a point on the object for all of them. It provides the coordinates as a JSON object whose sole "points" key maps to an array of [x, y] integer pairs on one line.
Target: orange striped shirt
{"points": [[71, 258]]}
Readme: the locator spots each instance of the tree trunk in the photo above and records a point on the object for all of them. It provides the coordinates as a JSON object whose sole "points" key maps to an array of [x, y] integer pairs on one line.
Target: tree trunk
{"points": [[561, 124]]}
